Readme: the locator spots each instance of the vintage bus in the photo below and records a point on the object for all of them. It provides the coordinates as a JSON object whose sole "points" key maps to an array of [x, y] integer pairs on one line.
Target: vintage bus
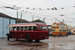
{"points": [[29, 31], [72, 31], [59, 29]]}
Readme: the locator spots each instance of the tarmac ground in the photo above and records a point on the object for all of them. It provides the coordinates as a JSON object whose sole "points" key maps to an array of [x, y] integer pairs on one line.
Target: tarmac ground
{"points": [[53, 43]]}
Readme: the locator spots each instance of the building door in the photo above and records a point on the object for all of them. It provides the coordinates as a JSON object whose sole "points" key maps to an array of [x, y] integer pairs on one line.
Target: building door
{"points": [[6, 28]]}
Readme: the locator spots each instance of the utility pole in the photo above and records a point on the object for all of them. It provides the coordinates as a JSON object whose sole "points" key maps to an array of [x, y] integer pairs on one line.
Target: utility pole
{"points": [[32, 18], [14, 8], [17, 16], [21, 16], [43, 19], [63, 20]]}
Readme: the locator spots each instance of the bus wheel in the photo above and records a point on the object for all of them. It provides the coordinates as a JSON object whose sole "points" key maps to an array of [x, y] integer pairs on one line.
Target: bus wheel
{"points": [[37, 40], [54, 35], [66, 34], [17, 39], [60, 34], [27, 38]]}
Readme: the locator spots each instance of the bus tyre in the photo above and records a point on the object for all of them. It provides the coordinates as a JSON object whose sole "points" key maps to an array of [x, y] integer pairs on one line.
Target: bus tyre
{"points": [[54, 35], [37, 40], [16, 39], [66, 34], [60, 34], [27, 38]]}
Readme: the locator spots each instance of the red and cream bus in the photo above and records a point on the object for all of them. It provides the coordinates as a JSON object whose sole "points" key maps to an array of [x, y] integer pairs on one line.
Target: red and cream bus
{"points": [[59, 29], [29, 31]]}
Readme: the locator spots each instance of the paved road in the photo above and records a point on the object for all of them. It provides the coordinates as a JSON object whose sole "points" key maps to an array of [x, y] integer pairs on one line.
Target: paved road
{"points": [[53, 43]]}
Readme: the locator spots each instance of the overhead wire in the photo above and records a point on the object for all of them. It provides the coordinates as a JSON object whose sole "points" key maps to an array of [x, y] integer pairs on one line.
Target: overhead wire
{"points": [[54, 6], [20, 2], [40, 16], [58, 2], [50, 5]]}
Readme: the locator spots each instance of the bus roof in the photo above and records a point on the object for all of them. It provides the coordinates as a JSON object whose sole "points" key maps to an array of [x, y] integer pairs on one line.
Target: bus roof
{"points": [[60, 23], [26, 24]]}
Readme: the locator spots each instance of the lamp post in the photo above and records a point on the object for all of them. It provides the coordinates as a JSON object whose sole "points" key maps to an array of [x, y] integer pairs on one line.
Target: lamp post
{"points": [[21, 16]]}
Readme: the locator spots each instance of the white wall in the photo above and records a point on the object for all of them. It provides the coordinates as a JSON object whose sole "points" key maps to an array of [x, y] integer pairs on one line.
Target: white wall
{"points": [[1, 26]]}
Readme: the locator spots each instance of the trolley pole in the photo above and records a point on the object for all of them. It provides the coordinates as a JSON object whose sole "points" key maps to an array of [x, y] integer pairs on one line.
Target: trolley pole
{"points": [[17, 16], [21, 17]]}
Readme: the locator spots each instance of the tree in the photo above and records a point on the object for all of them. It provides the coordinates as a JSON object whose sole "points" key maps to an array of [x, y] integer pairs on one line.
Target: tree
{"points": [[38, 20]]}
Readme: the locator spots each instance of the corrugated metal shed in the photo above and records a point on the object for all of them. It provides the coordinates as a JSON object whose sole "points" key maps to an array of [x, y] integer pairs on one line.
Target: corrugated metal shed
{"points": [[19, 20], [5, 20]]}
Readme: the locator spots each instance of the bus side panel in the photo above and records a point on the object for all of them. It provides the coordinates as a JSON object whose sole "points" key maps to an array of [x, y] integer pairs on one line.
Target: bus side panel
{"points": [[40, 35], [18, 34], [58, 33], [32, 34], [55, 33], [64, 33]]}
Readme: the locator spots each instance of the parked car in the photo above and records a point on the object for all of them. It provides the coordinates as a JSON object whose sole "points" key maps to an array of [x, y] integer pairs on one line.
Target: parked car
{"points": [[69, 32]]}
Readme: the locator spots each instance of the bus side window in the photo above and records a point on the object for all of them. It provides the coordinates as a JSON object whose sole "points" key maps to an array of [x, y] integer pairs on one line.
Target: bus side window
{"points": [[25, 28], [14, 29], [34, 28], [17, 28], [21, 28], [30, 28], [11, 28]]}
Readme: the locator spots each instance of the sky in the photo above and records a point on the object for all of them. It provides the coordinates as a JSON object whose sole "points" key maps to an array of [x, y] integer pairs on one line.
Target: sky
{"points": [[50, 16]]}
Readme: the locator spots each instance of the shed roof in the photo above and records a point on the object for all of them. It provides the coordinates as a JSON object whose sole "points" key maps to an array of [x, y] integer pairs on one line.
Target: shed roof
{"points": [[19, 20]]}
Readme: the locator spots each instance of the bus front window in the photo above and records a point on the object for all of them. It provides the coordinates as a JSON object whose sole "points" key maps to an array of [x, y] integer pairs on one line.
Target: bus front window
{"points": [[44, 28], [54, 25]]}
